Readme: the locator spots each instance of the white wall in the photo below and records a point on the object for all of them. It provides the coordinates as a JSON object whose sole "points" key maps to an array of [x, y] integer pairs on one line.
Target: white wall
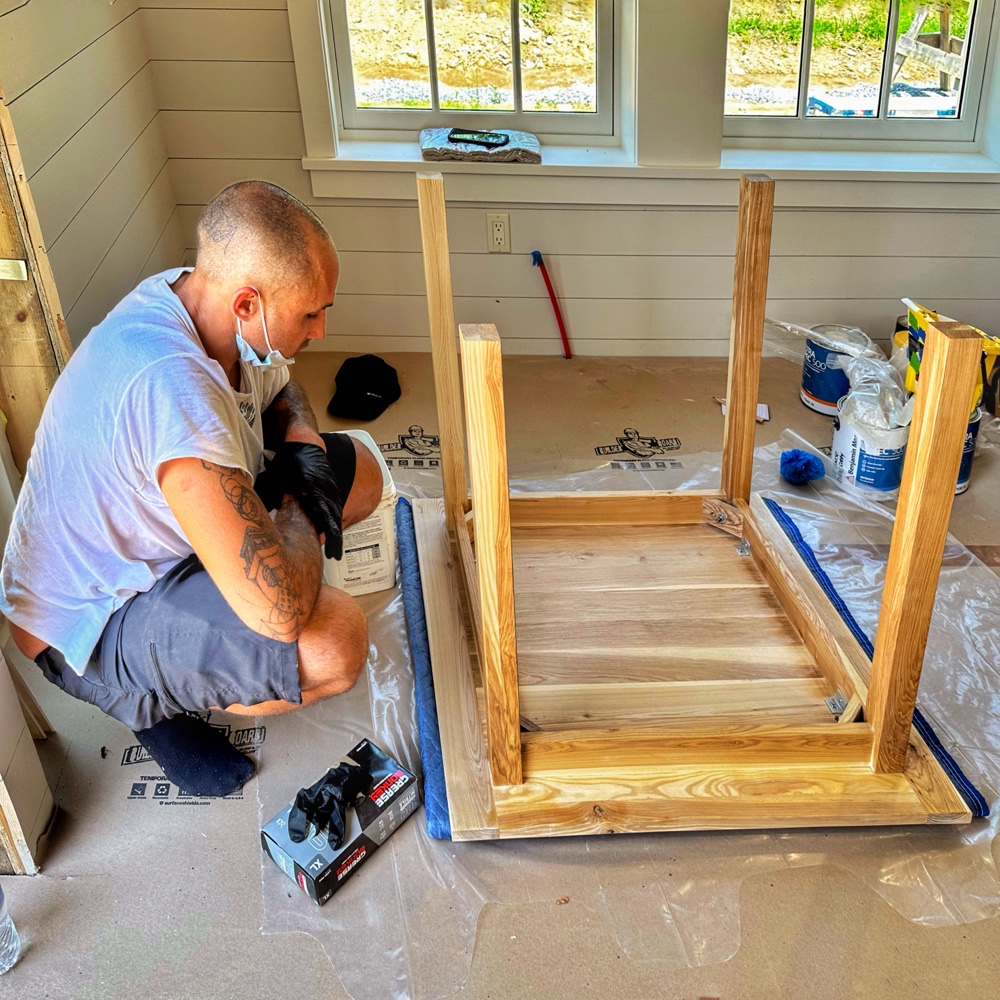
{"points": [[77, 78], [633, 278]]}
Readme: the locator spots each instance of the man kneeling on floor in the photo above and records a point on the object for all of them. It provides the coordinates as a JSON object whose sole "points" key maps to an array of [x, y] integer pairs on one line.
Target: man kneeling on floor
{"points": [[143, 572]]}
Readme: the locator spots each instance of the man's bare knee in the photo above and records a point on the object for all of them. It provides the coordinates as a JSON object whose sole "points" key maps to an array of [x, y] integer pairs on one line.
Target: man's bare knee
{"points": [[366, 491], [333, 648]]}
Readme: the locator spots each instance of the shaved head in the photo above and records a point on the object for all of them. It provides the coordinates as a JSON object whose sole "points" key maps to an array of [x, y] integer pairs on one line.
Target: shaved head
{"points": [[256, 233]]}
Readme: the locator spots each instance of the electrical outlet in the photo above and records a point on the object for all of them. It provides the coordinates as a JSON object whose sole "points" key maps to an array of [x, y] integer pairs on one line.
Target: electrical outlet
{"points": [[498, 232]]}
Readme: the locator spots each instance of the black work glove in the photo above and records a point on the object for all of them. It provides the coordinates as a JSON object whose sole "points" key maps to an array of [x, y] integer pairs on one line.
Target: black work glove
{"points": [[325, 803], [303, 471]]}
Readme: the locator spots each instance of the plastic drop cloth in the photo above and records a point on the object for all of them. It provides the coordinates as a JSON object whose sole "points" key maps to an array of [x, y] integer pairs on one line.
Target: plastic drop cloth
{"points": [[405, 926], [788, 341]]}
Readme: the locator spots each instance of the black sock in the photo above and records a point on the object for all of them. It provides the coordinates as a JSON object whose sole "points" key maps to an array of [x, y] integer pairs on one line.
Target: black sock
{"points": [[196, 757]]}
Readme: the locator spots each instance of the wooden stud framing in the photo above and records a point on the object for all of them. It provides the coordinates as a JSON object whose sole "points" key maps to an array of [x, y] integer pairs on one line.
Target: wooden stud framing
{"points": [[930, 471], [35, 343], [484, 414], [746, 337], [441, 316], [758, 746]]}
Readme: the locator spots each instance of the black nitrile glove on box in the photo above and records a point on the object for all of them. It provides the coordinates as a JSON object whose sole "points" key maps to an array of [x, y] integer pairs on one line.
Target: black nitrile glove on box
{"points": [[334, 825], [324, 805]]}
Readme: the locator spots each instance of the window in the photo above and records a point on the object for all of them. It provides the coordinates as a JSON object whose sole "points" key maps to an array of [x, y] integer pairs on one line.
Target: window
{"points": [[861, 69], [546, 66]]}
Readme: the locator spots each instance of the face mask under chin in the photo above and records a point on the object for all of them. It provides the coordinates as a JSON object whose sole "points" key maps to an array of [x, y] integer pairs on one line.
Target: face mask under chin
{"points": [[273, 358]]}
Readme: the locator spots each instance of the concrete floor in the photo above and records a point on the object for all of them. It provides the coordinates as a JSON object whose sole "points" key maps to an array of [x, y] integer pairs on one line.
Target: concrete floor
{"points": [[137, 899]]}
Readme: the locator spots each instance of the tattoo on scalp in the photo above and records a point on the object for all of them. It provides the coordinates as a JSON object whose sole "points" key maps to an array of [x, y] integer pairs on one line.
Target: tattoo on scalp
{"points": [[283, 573], [222, 230]]}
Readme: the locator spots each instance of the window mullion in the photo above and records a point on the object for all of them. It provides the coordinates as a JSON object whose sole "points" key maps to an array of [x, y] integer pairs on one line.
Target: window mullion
{"points": [[805, 60], [888, 60], [515, 51], [432, 63]]}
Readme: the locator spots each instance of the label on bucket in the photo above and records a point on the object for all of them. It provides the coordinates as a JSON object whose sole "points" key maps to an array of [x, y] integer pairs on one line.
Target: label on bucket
{"points": [[866, 467], [822, 385]]}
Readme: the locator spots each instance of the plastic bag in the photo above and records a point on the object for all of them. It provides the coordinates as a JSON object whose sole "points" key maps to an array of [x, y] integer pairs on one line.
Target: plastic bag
{"points": [[788, 341]]}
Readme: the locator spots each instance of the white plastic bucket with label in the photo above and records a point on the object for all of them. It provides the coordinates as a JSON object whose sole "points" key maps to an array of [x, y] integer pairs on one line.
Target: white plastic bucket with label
{"points": [[369, 563], [866, 460]]}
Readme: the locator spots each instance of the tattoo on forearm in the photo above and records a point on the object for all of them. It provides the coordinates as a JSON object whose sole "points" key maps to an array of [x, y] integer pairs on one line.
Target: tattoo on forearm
{"points": [[289, 407], [282, 559]]}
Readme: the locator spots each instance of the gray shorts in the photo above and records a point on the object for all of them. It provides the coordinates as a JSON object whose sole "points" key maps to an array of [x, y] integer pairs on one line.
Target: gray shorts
{"points": [[179, 647]]}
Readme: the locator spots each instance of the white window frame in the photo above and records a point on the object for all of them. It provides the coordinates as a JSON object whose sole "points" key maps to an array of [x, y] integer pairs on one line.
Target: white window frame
{"points": [[374, 122], [881, 130]]}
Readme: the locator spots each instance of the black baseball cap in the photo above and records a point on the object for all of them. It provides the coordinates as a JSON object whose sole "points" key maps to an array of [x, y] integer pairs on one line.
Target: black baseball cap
{"points": [[366, 387]]}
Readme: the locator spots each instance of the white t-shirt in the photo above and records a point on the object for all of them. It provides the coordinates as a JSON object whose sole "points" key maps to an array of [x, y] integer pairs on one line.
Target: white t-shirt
{"points": [[92, 528]]}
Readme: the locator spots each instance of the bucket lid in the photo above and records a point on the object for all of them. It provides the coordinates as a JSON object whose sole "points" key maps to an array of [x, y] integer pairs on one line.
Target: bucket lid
{"points": [[842, 336]]}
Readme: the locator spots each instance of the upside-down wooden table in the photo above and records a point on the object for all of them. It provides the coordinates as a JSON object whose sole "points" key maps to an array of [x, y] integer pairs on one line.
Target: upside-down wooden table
{"points": [[672, 653]]}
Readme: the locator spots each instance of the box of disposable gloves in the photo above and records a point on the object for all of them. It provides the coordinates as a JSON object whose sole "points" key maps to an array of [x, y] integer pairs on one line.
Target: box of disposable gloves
{"points": [[334, 825]]}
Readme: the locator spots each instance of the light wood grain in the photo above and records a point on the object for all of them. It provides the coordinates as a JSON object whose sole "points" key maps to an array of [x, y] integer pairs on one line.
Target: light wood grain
{"points": [[753, 254], [484, 418], [740, 702], [38, 260], [930, 471], [821, 628], [705, 798], [722, 515], [470, 574], [552, 754], [463, 748], [646, 603], [631, 557], [612, 664], [932, 785], [836, 650], [619, 621], [441, 319], [605, 508], [853, 711], [28, 360]]}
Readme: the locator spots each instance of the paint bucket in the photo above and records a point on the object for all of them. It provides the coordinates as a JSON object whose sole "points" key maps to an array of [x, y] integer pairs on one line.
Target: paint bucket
{"points": [[866, 460], [369, 562], [969, 451], [823, 385]]}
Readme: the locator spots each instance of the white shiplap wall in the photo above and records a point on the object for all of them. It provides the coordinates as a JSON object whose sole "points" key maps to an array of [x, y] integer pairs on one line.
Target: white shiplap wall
{"points": [[77, 77], [633, 279]]}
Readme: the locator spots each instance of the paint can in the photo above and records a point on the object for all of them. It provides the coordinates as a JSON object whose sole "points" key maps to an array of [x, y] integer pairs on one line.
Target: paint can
{"points": [[369, 562], [969, 451], [868, 461], [822, 384]]}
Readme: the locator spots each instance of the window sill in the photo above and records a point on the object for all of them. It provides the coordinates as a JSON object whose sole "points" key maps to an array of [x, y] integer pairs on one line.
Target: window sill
{"points": [[569, 175]]}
